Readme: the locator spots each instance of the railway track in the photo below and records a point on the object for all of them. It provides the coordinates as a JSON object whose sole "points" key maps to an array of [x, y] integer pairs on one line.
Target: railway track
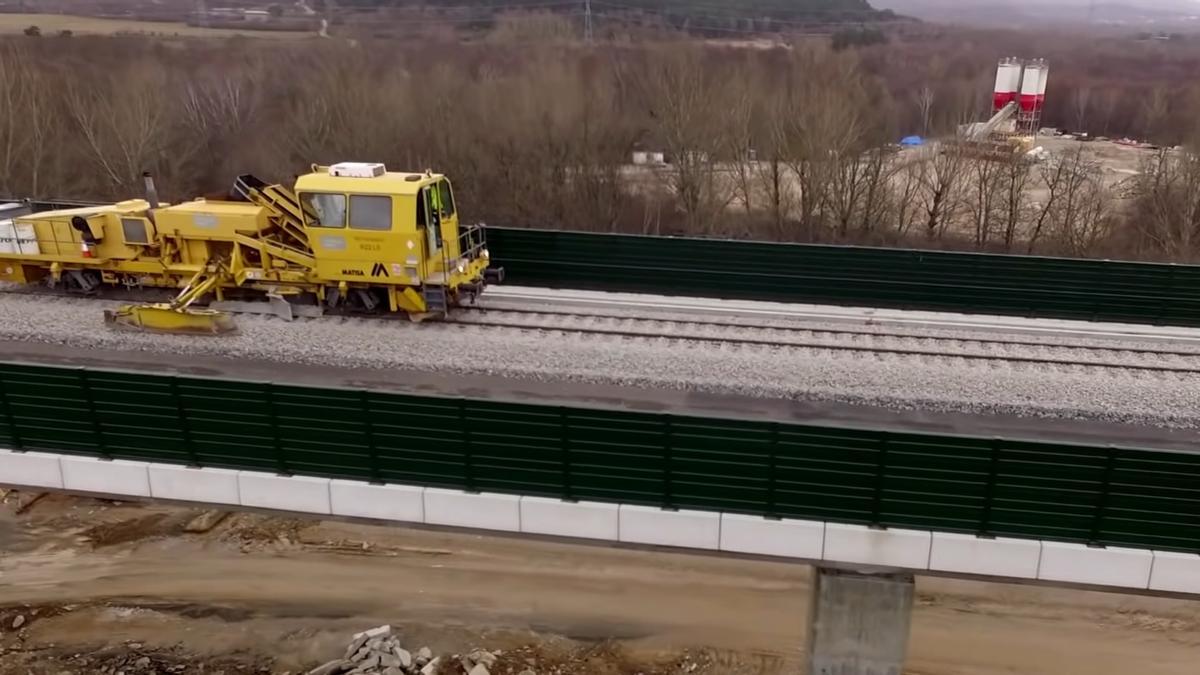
{"points": [[736, 333], [718, 332]]}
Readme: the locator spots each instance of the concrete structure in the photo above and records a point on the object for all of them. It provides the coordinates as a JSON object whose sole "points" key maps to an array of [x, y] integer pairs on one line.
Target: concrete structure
{"points": [[859, 620], [859, 623]]}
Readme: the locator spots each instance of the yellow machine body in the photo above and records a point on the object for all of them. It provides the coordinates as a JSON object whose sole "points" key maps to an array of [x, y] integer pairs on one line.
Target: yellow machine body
{"points": [[348, 234]]}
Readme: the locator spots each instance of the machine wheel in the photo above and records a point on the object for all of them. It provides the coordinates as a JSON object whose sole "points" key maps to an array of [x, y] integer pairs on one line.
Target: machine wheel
{"points": [[81, 282], [366, 301]]}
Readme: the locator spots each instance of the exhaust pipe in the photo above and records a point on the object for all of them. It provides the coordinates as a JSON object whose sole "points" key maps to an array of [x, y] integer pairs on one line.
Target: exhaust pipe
{"points": [[151, 191]]}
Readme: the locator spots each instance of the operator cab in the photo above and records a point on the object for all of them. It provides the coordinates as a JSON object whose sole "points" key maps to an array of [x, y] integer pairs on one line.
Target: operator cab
{"points": [[369, 224]]}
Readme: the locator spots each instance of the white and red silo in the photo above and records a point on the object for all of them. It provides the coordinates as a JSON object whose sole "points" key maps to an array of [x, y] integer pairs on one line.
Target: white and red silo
{"points": [[1008, 82], [1031, 86]]}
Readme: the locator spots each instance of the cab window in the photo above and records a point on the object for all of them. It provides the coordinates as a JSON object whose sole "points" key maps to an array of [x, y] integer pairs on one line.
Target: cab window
{"points": [[370, 212], [324, 209], [447, 199]]}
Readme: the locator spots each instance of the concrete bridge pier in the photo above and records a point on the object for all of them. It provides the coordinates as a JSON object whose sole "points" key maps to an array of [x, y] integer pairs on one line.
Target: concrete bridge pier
{"points": [[859, 622]]}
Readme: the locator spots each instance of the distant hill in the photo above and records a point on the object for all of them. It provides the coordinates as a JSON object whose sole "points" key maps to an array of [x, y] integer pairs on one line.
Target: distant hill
{"points": [[1022, 13]]}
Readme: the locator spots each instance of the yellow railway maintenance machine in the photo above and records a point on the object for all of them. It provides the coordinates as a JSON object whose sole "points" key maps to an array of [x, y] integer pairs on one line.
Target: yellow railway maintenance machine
{"points": [[352, 237]]}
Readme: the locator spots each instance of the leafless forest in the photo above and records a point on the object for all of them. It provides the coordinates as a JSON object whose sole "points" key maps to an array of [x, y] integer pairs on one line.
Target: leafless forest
{"points": [[790, 143]]}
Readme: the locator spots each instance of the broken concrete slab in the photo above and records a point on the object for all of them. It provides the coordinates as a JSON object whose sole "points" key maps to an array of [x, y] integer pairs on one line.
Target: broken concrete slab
{"points": [[357, 643], [378, 631], [482, 656], [331, 668]]}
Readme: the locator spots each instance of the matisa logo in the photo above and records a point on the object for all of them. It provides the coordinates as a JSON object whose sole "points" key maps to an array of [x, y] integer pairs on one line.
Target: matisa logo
{"points": [[354, 273]]}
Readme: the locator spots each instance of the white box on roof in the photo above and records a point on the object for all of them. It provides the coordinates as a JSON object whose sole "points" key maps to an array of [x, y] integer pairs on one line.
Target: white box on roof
{"points": [[358, 169]]}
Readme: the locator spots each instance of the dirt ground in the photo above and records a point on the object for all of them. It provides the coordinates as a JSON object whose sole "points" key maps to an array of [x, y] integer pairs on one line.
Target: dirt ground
{"points": [[91, 586]]}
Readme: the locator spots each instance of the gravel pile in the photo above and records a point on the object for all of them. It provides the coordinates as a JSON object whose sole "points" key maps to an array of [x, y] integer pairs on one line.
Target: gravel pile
{"points": [[894, 381], [378, 652]]}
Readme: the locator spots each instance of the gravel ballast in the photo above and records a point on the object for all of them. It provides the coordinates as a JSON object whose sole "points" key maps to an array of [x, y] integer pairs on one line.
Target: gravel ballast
{"points": [[902, 382]]}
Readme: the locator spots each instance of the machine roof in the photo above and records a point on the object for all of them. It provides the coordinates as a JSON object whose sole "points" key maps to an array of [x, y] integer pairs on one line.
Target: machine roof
{"points": [[390, 183]]}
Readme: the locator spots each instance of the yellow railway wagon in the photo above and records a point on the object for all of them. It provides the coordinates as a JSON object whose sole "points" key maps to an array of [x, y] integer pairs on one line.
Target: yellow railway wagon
{"points": [[349, 237]]}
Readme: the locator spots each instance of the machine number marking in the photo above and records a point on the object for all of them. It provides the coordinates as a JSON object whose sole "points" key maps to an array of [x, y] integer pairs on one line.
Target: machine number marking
{"points": [[379, 270], [205, 221], [370, 247]]}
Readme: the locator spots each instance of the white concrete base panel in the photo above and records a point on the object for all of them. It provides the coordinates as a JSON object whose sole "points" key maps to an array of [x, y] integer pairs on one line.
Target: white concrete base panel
{"points": [[32, 469], [884, 548], [688, 529], [484, 511], [785, 538], [586, 520], [1175, 572], [831, 543], [284, 493], [356, 499], [999, 557], [115, 477], [1076, 563], [208, 486]]}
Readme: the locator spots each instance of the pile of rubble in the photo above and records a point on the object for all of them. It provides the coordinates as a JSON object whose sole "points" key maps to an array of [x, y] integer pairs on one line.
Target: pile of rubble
{"points": [[378, 652]]}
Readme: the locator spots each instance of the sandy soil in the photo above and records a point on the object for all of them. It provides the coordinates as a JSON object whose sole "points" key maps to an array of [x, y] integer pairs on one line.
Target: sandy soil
{"points": [[101, 585]]}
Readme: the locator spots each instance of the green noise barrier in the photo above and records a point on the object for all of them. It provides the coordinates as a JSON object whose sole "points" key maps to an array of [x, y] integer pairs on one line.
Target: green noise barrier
{"points": [[972, 283], [987, 486]]}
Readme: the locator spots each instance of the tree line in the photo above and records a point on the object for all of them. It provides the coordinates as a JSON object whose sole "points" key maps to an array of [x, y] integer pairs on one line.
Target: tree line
{"points": [[790, 145]]}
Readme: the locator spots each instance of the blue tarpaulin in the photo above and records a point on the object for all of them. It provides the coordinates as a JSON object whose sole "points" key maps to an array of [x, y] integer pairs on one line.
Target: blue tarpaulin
{"points": [[912, 140]]}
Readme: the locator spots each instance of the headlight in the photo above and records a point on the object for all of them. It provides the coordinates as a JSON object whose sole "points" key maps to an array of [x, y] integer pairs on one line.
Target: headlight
{"points": [[462, 268], [484, 253]]}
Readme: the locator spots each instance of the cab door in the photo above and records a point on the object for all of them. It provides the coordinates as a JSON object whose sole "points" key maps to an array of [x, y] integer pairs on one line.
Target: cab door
{"points": [[429, 221], [448, 216]]}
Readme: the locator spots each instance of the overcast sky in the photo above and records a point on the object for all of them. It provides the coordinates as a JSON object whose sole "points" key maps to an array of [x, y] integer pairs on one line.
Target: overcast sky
{"points": [[1167, 5]]}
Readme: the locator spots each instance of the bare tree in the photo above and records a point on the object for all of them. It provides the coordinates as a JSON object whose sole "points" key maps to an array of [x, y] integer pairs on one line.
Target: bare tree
{"points": [[942, 183], [826, 128], [678, 89], [1081, 213], [924, 99], [1081, 102], [134, 132], [1154, 111], [906, 178], [1015, 185], [1166, 199], [985, 203], [771, 170], [30, 121], [876, 175], [739, 134], [1068, 180]]}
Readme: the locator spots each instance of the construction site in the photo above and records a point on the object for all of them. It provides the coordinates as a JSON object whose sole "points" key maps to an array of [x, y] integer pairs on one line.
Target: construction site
{"points": [[528, 348]]}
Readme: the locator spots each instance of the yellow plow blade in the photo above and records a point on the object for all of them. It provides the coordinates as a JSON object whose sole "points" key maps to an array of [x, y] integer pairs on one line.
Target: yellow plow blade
{"points": [[163, 318]]}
